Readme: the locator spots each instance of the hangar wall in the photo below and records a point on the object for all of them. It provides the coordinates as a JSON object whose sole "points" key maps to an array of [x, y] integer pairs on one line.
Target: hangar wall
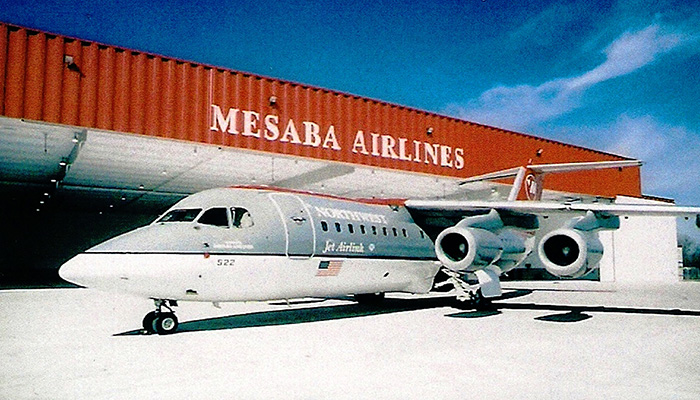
{"points": [[51, 78], [643, 251]]}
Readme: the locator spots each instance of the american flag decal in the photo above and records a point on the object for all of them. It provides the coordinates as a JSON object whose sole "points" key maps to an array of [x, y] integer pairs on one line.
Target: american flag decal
{"points": [[329, 268]]}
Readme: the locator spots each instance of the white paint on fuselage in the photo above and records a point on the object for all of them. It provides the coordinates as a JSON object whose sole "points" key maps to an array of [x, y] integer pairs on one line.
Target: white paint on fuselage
{"points": [[196, 277]]}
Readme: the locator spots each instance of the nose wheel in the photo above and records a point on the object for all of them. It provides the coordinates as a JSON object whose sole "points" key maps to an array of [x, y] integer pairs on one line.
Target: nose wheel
{"points": [[159, 321]]}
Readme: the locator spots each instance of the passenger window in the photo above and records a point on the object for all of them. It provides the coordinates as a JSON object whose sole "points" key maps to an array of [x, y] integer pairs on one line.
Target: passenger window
{"points": [[215, 217], [351, 228], [422, 235], [241, 217], [374, 230], [384, 230], [362, 229], [405, 234], [394, 230], [324, 226], [337, 226]]}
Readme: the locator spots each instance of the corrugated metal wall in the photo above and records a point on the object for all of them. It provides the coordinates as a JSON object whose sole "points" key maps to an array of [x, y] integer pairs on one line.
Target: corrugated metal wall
{"points": [[56, 79]]}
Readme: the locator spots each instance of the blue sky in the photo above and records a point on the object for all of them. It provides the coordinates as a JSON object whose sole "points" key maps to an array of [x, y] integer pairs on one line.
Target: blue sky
{"points": [[620, 77]]}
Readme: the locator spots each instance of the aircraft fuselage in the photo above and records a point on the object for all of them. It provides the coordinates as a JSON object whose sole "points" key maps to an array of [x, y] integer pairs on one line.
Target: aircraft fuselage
{"points": [[237, 244]]}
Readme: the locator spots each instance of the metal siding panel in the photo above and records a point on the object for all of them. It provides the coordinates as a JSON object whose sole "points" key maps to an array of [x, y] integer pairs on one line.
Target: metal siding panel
{"points": [[105, 89], [167, 102], [122, 87], [191, 82], [137, 74], [303, 103], [34, 90], [179, 123], [88, 84], [286, 113], [267, 90], [71, 84], [153, 88], [225, 97], [255, 106], [16, 68], [53, 79], [3, 63], [202, 105]]}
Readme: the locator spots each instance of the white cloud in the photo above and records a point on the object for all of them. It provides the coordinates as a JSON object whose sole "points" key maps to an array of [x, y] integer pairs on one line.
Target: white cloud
{"points": [[626, 54], [523, 106], [671, 155]]}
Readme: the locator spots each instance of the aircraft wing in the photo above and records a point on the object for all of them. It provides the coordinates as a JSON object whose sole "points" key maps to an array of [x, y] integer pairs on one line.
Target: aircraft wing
{"points": [[539, 207], [470, 237]]}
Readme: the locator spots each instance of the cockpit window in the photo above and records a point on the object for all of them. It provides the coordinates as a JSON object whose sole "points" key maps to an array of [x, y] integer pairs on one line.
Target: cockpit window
{"points": [[241, 217], [181, 215], [214, 216]]}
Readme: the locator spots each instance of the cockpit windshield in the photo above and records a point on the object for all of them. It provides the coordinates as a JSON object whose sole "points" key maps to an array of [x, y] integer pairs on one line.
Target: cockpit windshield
{"points": [[181, 215]]}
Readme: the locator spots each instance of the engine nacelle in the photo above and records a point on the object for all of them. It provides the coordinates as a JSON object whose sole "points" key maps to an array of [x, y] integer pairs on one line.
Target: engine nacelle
{"points": [[464, 249], [517, 246], [570, 253]]}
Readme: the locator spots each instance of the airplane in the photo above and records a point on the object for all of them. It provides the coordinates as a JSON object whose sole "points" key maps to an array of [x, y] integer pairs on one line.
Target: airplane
{"points": [[258, 243]]}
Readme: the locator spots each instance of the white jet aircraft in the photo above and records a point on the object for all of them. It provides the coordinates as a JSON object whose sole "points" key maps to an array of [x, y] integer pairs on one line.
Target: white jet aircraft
{"points": [[260, 243]]}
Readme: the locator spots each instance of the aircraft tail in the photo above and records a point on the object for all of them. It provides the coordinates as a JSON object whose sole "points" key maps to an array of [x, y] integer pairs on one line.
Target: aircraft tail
{"points": [[528, 180]]}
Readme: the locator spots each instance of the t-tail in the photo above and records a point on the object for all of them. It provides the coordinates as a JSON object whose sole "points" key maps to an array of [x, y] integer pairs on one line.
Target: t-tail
{"points": [[528, 181]]}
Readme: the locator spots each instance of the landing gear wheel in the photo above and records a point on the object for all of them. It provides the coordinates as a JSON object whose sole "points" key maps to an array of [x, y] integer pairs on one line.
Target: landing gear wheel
{"points": [[480, 302], [164, 323], [148, 322]]}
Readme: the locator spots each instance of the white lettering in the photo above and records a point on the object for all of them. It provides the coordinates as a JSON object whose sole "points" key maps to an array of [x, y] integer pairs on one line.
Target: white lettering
{"points": [[402, 150], [431, 151], [331, 141], [311, 136], [290, 133], [358, 146], [416, 152], [388, 144], [375, 144], [250, 123], [445, 155], [382, 145], [459, 158], [227, 124], [272, 132]]}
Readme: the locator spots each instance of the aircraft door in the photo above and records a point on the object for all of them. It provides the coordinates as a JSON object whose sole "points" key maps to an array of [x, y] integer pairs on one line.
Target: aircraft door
{"points": [[298, 225]]}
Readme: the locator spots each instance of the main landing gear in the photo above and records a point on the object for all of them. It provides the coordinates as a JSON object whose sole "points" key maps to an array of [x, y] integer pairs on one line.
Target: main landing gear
{"points": [[467, 296], [159, 321]]}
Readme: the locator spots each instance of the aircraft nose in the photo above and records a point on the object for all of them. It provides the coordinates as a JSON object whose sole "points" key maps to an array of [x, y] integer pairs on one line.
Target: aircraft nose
{"points": [[75, 271]]}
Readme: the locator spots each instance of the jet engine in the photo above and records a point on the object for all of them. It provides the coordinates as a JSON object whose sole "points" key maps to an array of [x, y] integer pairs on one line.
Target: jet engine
{"points": [[569, 253], [480, 241], [575, 250], [463, 248]]}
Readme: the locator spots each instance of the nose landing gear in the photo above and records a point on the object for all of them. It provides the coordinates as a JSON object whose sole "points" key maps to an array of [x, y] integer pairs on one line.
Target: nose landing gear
{"points": [[159, 321]]}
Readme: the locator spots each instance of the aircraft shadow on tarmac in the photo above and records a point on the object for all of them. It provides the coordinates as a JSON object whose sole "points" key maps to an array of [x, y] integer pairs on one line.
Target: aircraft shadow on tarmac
{"points": [[564, 313]]}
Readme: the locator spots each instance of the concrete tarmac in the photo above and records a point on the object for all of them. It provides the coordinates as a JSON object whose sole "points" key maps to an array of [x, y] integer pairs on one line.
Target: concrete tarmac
{"points": [[579, 340]]}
